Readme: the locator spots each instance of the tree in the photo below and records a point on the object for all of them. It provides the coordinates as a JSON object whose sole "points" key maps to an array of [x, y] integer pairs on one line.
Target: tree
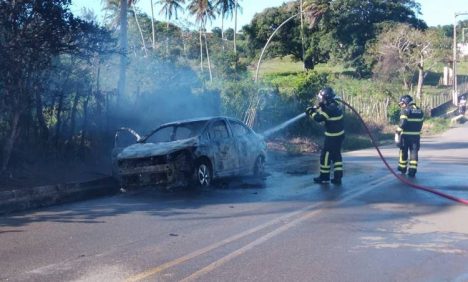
{"points": [[225, 8], [169, 8], [354, 23], [122, 21], [33, 35], [153, 31], [402, 50], [287, 40], [236, 8], [123, 45], [203, 11]]}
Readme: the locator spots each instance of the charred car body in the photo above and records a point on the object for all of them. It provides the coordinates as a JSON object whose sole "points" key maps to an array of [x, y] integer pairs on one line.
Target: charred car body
{"points": [[189, 152]]}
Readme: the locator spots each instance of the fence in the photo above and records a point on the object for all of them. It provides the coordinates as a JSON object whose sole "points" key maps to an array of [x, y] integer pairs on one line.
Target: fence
{"points": [[368, 107], [377, 110]]}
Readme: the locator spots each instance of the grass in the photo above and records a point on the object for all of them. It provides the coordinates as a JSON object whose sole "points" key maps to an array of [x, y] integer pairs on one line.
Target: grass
{"points": [[434, 126], [279, 65]]}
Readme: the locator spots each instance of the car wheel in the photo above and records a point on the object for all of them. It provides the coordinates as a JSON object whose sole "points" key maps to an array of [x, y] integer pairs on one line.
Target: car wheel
{"points": [[259, 167], [203, 174]]}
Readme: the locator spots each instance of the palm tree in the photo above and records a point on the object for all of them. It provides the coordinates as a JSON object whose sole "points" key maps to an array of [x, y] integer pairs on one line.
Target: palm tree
{"points": [[301, 8], [139, 29], [153, 32], [123, 43], [226, 8], [169, 8], [115, 8], [122, 20], [236, 6], [203, 11]]}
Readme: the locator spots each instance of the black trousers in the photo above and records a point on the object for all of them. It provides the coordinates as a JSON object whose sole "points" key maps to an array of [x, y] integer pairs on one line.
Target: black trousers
{"points": [[330, 157], [411, 144]]}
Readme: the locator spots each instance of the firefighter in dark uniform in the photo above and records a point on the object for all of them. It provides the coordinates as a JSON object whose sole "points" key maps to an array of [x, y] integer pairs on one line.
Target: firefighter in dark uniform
{"points": [[331, 113], [409, 129]]}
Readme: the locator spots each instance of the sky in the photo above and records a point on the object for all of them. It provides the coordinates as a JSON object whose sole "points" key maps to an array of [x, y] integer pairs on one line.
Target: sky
{"points": [[434, 12]]}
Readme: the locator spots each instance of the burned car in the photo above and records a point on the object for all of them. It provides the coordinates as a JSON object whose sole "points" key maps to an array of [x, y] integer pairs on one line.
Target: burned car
{"points": [[189, 152]]}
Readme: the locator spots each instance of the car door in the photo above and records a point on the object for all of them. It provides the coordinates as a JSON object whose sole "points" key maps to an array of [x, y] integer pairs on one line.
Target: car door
{"points": [[245, 146], [225, 156]]}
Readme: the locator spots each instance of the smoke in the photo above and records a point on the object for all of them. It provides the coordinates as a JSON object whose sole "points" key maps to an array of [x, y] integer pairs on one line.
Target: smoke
{"points": [[160, 92]]}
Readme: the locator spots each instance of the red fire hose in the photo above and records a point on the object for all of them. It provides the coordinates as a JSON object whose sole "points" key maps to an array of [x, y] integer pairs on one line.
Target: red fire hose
{"points": [[401, 178]]}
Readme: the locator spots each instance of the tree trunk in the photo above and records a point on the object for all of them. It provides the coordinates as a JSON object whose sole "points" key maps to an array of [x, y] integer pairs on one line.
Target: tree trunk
{"points": [[85, 120], [153, 31], [10, 142], [208, 57], [73, 114], [59, 118], [201, 51], [167, 38], [139, 29], [99, 99], [222, 30], [43, 129], [123, 50], [71, 130], [420, 77], [235, 27], [302, 35]]}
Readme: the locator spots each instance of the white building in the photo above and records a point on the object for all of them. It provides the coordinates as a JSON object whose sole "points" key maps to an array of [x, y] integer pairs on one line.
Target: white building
{"points": [[463, 49]]}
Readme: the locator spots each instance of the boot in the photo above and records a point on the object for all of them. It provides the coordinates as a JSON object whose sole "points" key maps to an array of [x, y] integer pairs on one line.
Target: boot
{"points": [[336, 181], [321, 179], [402, 170], [337, 175], [412, 172]]}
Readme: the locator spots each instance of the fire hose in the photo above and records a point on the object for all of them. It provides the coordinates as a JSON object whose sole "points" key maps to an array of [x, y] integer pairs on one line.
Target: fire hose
{"points": [[401, 178]]}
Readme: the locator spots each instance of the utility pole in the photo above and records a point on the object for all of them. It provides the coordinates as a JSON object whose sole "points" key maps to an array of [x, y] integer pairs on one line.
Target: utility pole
{"points": [[455, 83]]}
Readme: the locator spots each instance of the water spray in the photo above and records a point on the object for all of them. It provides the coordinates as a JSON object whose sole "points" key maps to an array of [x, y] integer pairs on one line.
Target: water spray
{"points": [[275, 129]]}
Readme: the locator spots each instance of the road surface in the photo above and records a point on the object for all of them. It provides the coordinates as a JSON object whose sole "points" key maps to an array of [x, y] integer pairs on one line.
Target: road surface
{"points": [[372, 228]]}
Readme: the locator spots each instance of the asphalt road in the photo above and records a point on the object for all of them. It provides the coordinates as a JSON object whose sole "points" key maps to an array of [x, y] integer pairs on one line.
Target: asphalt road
{"points": [[372, 228]]}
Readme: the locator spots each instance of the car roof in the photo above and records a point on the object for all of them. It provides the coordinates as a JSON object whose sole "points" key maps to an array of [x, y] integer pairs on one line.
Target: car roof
{"points": [[195, 120]]}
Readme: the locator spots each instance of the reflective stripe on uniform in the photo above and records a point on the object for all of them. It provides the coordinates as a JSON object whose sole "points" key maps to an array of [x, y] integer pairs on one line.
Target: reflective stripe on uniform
{"points": [[416, 119], [323, 113], [325, 161], [402, 163], [336, 118], [334, 134], [411, 133]]}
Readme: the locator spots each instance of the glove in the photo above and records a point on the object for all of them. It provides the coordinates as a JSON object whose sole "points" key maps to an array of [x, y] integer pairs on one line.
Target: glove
{"points": [[311, 110]]}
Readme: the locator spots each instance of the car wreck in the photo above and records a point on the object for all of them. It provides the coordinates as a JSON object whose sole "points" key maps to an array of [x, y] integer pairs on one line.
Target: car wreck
{"points": [[189, 152]]}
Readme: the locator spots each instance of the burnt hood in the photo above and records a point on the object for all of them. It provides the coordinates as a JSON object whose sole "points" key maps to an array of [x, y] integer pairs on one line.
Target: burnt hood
{"points": [[141, 150]]}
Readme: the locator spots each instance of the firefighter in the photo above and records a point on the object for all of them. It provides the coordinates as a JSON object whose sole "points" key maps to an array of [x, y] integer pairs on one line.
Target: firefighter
{"points": [[331, 113], [409, 129]]}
